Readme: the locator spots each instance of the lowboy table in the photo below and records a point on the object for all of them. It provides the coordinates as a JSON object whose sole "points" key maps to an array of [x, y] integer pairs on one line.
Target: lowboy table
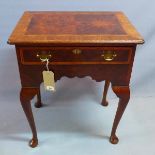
{"points": [[101, 45]]}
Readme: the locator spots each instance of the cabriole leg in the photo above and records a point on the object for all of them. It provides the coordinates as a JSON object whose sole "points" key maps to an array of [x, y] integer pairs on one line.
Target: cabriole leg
{"points": [[104, 100], [123, 92], [26, 95], [38, 104]]}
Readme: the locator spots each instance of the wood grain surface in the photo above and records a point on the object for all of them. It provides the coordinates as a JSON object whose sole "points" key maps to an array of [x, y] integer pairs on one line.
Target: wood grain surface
{"points": [[75, 27]]}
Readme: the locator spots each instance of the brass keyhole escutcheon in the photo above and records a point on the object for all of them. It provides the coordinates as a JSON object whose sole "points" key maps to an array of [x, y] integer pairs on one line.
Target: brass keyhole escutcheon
{"points": [[77, 51], [109, 55]]}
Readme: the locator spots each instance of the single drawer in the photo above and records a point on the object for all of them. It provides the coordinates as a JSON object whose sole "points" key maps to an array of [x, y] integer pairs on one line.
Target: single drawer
{"points": [[76, 55]]}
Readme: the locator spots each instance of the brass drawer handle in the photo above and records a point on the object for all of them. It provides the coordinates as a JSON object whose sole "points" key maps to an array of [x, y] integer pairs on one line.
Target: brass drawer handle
{"points": [[77, 51], [109, 55], [43, 56]]}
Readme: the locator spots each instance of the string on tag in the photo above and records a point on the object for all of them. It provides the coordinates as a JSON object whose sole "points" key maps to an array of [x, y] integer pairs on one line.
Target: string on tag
{"points": [[47, 63]]}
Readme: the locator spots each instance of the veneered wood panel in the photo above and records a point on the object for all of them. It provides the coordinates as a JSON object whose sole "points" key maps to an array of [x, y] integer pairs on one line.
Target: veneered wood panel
{"points": [[74, 27], [67, 24], [65, 55]]}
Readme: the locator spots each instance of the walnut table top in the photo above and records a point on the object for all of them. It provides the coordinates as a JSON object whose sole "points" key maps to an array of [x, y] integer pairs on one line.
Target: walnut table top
{"points": [[75, 27]]}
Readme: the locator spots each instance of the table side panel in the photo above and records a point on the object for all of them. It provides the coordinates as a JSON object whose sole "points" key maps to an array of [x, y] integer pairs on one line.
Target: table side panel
{"points": [[31, 75]]}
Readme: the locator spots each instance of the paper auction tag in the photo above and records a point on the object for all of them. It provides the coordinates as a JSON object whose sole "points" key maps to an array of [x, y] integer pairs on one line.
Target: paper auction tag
{"points": [[48, 79]]}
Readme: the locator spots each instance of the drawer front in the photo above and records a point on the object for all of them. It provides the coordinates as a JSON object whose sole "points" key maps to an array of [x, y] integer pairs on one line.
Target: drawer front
{"points": [[76, 55]]}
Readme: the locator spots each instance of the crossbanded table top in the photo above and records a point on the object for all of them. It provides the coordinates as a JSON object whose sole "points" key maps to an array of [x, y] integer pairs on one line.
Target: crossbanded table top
{"points": [[74, 27]]}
